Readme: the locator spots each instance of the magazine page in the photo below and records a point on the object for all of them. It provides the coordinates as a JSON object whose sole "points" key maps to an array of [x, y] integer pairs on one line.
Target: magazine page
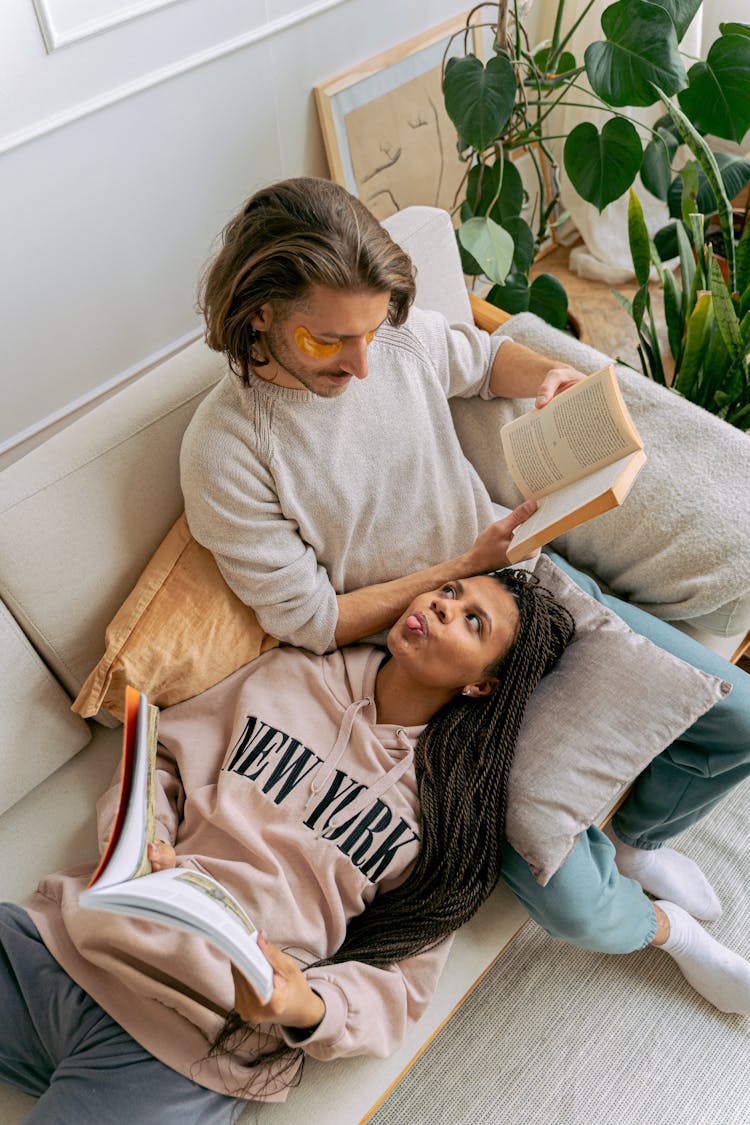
{"points": [[193, 901], [579, 431], [126, 857]]}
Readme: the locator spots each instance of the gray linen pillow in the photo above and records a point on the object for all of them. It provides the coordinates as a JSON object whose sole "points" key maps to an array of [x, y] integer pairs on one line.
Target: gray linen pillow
{"points": [[612, 703]]}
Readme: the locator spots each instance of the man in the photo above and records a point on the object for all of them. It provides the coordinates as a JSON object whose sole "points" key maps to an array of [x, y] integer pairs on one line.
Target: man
{"points": [[326, 477]]}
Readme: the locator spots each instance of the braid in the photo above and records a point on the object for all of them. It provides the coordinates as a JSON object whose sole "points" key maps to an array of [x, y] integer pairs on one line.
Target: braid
{"points": [[462, 762]]}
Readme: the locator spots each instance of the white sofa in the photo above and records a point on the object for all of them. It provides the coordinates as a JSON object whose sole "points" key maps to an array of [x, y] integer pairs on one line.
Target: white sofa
{"points": [[80, 515]]}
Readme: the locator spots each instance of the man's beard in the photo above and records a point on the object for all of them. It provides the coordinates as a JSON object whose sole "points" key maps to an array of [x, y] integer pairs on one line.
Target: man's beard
{"points": [[283, 356]]}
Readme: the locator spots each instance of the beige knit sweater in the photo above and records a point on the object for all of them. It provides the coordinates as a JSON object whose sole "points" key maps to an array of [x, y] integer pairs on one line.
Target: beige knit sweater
{"points": [[301, 498]]}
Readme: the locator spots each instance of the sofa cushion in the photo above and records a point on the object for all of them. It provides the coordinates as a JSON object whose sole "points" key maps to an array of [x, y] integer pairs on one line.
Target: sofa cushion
{"points": [[180, 630], [38, 733], [612, 704], [678, 546]]}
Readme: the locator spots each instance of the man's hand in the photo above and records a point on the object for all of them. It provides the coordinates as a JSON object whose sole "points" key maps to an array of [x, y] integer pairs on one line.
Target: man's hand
{"points": [[161, 855], [519, 372], [556, 380], [293, 1003], [490, 546]]}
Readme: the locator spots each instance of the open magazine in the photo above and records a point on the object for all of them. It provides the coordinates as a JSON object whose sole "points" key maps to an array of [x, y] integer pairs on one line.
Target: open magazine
{"points": [[190, 900], [577, 457]]}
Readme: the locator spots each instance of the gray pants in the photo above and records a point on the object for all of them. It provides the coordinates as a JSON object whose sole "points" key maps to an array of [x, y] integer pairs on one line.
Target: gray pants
{"points": [[57, 1044]]}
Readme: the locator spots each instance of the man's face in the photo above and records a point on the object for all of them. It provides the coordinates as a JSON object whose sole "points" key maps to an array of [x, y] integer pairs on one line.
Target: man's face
{"points": [[321, 345]]}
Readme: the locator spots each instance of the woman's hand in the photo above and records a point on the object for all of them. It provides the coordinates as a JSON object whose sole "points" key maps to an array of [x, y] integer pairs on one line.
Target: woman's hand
{"points": [[293, 1003], [556, 380], [161, 855], [490, 546]]}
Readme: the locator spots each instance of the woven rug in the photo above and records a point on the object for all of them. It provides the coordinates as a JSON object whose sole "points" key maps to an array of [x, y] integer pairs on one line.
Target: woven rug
{"points": [[560, 1036]]}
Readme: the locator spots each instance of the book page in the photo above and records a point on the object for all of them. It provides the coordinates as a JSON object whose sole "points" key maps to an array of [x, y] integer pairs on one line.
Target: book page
{"points": [[575, 503], [579, 431], [195, 902], [134, 826]]}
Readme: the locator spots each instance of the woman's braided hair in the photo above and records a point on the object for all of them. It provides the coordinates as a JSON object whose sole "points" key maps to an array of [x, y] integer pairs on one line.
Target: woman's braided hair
{"points": [[462, 762]]}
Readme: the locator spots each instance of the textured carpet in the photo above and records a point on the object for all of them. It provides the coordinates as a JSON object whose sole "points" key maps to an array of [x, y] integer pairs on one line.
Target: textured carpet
{"points": [[559, 1036]]}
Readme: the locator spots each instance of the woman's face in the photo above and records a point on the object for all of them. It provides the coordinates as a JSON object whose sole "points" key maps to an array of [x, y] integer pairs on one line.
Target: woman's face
{"points": [[448, 637]]}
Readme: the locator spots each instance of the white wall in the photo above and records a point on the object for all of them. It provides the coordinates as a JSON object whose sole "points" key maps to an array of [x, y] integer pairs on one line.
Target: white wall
{"points": [[123, 153]]}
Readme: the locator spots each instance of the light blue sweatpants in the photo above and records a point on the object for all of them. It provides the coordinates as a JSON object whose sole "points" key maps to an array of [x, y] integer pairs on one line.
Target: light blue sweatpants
{"points": [[587, 902], [58, 1045]]}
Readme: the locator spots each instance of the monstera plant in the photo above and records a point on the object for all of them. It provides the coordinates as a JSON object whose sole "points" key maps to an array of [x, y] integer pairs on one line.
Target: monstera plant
{"points": [[504, 104]]}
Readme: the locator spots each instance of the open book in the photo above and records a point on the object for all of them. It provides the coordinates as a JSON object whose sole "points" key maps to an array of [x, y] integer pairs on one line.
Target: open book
{"points": [[190, 900], [578, 457]]}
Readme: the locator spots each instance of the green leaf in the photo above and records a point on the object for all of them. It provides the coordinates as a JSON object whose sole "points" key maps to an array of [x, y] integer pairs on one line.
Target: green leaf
{"points": [[696, 337], [687, 265], [724, 311], [489, 245], [735, 174], [479, 99], [745, 303], [482, 189], [656, 169], [743, 259], [468, 264], [697, 228], [745, 330], [513, 296], [717, 99], [735, 29], [639, 240], [640, 52], [656, 261], [665, 241], [523, 243], [689, 196], [716, 368], [548, 299], [681, 12], [673, 312], [641, 302], [602, 166]]}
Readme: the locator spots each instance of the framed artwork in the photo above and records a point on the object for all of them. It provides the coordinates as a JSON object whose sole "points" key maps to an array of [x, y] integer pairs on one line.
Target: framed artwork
{"points": [[387, 135]]}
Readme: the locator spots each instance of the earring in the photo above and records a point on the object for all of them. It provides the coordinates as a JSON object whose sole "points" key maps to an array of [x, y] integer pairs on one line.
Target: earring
{"points": [[466, 691]]}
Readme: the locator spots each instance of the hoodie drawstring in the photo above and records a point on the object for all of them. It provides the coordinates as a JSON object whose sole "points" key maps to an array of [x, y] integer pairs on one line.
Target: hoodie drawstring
{"points": [[368, 794]]}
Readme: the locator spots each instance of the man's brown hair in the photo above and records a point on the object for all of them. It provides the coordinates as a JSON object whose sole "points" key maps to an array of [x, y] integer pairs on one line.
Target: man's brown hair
{"points": [[286, 238]]}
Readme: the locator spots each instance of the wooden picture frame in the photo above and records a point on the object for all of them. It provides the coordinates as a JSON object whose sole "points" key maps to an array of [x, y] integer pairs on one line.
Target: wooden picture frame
{"points": [[387, 135]]}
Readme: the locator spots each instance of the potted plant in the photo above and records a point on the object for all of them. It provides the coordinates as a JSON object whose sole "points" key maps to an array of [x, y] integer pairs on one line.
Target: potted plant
{"points": [[707, 314], [505, 104]]}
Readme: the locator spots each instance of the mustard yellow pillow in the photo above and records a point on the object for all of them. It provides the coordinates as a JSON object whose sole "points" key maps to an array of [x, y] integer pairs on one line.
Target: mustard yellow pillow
{"points": [[179, 631]]}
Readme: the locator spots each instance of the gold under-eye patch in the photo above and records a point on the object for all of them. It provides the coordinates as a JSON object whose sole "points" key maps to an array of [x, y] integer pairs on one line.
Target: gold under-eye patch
{"points": [[318, 349]]}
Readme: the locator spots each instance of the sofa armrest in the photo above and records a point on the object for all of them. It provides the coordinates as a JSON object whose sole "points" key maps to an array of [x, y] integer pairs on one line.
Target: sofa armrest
{"points": [[487, 316]]}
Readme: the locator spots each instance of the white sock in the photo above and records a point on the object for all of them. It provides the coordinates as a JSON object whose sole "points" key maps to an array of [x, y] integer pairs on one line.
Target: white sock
{"points": [[720, 975], [667, 874]]}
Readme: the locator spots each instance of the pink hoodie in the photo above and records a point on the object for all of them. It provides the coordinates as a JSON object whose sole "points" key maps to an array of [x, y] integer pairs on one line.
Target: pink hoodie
{"points": [[281, 784]]}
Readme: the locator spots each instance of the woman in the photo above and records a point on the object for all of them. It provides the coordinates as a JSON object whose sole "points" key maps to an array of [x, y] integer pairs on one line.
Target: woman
{"points": [[358, 836]]}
